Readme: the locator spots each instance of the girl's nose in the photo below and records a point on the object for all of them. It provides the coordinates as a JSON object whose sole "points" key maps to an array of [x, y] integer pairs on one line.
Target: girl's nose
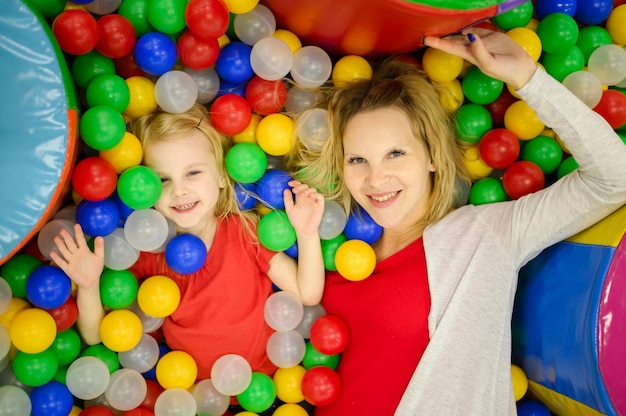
{"points": [[178, 189]]}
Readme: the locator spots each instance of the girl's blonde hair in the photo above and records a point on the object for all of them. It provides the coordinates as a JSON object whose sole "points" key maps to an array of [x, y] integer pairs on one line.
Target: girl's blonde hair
{"points": [[401, 85], [161, 126]]}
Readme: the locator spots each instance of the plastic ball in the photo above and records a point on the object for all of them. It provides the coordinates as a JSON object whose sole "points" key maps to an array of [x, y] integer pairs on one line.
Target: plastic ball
{"points": [[196, 52], [271, 58], [175, 91], [48, 287], [158, 296], [329, 251], [102, 127], [117, 36], [246, 162], [98, 218], [313, 358], [139, 187], [240, 6], [118, 254], [65, 315], [612, 107], [333, 221], [16, 271], [498, 108], [288, 382], [207, 19], [285, 348], [150, 324], [120, 330], [545, 152], [321, 386], [175, 402], [584, 85], [608, 63], [487, 191], [118, 288], [76, 31], [35, 369], [451, 95], [275, 134], [283, 311], [108, 357], [87, 377], [167, 16], [472, 122], [259, 23], [518, 16], [100, 7], [45, 238], [67, 346], [290, 38], [499, 148], [185, 253], [312, 128], [275, 231], [142, 98], [480, 88], [233, 63], [311, 67], [32, 330], [593, 12], [127, 153], [520, 382], [136, 11], [230, 88], [558, 32], [355, 260], [99, 410], [208, 83], [522, 121], [231, 374], [271, 186], [266, 97], [14, 401], [299, 99], [126, 390], [176, 369], [51, 399], [245, 195], [522, 178], [351, 68], [361, 226], [16, 306], [441, 66], [560, 65], [259, 395], [544, 8], [110, 90], [208, 399], [591, 38], [5, 296], [155, 53], [126, 67], [86, 67], [330, 334], [94, 178], [146, 229], [230, 114], [528, 40], [532, 408], [616, 24]]}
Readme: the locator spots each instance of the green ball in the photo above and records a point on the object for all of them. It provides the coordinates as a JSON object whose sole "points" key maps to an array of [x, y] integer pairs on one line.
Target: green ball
{"points": [[102, 127], [329, 249], [562, 64], [67, 346], [558, 32], [136, 11], [480, 88], [313, 358], [486, 191], [48, 8], [246, 162], [118, 288], [259, 395], [86, 67], [275, 231], [472, 121], [16, 272], [591, 38], [139, 187], [567, 166], [108, 357], [544, 151], [518, 16], [167, 16], [35, 370], [110, 90]]}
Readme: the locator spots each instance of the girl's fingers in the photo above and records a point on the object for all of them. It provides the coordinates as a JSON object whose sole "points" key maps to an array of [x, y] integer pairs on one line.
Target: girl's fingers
{"points": [[78, 233], [98, 246]]}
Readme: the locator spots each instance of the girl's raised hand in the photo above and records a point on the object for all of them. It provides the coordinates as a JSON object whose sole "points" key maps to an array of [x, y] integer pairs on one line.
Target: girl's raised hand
{"points": [[305, 213], [495, 53], [77, 260]]}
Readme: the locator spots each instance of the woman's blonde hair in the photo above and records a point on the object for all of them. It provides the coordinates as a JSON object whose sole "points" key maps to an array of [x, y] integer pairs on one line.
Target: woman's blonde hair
{"points": [[401, 85], [161, 126]]}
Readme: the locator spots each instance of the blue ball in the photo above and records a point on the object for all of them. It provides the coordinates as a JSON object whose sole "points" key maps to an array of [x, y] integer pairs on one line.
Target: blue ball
{"points": [[151, 374], [185, 253], [532, 408], [233, 63], [48, 287], [546, 7], [244, 192], [593, 13], [155, 53], [360, 226], [51, 399], [292, 251], [230, 88], [98, 218], [271, 186]]}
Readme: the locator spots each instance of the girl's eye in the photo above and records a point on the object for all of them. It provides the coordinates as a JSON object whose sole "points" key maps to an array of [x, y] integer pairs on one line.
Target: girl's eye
{"points": [[396, 153], [193, 173], [355, 160], [163, 180]]}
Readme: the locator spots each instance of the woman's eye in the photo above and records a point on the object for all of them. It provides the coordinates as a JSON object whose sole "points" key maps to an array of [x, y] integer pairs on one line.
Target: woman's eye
{"points": [[396, 153], [356, 160]]}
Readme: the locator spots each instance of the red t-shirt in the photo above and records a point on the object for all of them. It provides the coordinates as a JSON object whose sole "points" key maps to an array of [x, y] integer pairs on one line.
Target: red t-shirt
{"points": [[221, 305], [388, 318]]}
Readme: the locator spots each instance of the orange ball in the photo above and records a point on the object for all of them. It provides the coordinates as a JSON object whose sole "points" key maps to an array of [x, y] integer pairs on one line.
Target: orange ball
{"points": [[355, 260]]}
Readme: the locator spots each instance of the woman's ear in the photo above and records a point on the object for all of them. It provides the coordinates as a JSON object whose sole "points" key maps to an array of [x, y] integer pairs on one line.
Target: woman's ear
{"points": [[222, 181], [431, 166]]}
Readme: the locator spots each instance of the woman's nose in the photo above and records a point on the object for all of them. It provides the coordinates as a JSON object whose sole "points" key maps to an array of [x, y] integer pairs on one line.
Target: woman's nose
{"points": [[377, 175]]}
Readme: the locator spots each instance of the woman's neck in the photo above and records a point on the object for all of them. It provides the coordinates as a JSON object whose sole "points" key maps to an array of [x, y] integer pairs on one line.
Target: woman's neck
{"points": [[393, 240]]}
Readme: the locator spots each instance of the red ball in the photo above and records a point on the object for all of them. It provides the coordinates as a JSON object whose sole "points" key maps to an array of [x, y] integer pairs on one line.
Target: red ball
{"points": [[612, 107], [207, 19], [97, 410], [94, 178], [126, 67], [522, 178], [117, 36], [76, 31], [65, 315], [230, 114], [499, 106], [266, 97], [195, 52], [320, 385], [329, 334], [139, 411], [153, 392], [499, 148]]}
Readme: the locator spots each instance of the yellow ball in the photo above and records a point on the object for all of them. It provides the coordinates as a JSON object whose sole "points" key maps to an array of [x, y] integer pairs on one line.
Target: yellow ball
{"points": [[176, 369], [290, 409], [523, 121], [477, 167], [15, 306], [158, 296], [142, 98], [32, 330], [246, 413], [351, 68], [616, 25], [223, 40], [275, 134], [120, 330], [127, 153], [441, 66], [528, 40], [290, 38], [520, 382], [288, 383], [248, 135], [75, 411], [451, 95], [355, 260], [240, 6]]}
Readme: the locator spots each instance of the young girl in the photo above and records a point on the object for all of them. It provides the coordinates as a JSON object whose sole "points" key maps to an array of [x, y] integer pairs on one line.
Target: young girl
{"points": [[221, 306], [431, 326]]}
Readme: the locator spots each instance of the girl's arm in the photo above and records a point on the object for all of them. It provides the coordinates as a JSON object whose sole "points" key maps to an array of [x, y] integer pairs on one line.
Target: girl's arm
{"points": [[306, 278], [84, 268]]}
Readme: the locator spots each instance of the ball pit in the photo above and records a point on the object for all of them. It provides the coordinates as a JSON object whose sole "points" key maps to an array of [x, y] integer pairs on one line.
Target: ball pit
{"points": [[121, 87]]}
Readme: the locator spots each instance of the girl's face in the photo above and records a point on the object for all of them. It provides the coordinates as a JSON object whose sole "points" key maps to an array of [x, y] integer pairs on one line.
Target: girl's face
{"points": [[386, 169], [191, 180]]}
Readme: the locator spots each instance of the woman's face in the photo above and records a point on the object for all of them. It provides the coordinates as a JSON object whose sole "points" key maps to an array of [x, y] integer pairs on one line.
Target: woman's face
{"points": [[386, 169]]}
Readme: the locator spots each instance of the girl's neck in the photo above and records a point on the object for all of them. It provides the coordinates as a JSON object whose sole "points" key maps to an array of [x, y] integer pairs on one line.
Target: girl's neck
{"points": [[206, 231]]}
